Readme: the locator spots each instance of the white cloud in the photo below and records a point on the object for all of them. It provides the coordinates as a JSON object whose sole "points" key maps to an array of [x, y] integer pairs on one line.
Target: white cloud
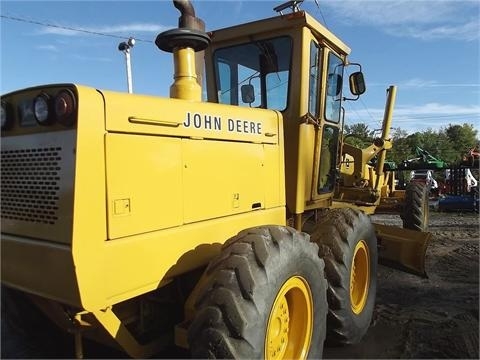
{"points": [[422, 19], [413, 118], [417, 83], [422, 83], [57, 31], [433, 109], [91, 58], [391, 12], [469, 31], [51, 48], [73, 30]]}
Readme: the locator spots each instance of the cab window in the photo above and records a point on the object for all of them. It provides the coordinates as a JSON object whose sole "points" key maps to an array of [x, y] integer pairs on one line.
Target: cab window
{"points": [[254, 74], [333, 94], [313, 104], [328, 152]]}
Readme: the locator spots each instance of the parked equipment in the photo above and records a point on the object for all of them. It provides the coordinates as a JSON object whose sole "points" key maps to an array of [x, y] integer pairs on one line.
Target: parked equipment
{"points": [[141, 221], [460, 192], [424, 160]]}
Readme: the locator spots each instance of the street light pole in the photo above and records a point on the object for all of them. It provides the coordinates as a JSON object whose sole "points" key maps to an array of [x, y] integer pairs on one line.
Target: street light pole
{"points": [[125, 47]]}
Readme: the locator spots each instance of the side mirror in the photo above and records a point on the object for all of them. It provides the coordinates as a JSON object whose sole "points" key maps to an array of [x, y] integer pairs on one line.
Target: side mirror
{"points": [[334, 85], [248, 94], [357, 83]]}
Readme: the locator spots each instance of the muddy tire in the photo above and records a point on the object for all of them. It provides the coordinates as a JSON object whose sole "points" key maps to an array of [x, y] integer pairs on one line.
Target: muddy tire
{"points": [[244, 307], [348, 245], [416, 208]]}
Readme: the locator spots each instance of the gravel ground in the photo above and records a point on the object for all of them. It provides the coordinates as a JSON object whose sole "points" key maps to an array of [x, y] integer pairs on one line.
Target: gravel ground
{"points": [[414, 318]]}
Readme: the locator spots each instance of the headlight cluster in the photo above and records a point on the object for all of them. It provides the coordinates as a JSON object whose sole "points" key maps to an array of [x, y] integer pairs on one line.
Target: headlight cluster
{"points": [[24, 110], [61, 108]]}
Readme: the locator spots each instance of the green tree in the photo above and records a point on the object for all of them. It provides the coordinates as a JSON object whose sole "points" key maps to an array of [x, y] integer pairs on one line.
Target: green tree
{"points": [[358, 135], [434, 142], [401, 149], [462, 137]]}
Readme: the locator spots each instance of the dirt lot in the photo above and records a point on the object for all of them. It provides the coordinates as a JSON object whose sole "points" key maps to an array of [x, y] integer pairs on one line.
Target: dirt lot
{"points": [[428, 318], [414, 318]]}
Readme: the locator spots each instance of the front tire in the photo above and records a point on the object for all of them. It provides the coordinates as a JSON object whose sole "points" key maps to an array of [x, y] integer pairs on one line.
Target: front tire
{"points": [[263, 297], [348, 245]]}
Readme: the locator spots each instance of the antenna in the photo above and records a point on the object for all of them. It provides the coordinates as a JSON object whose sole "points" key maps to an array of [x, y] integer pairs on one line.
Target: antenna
{"points": [[292, 4]]}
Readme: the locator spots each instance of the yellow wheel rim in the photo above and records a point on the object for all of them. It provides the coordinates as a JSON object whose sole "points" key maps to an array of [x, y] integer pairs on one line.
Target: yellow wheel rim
{"points": [[359, 277], [290, 323]]}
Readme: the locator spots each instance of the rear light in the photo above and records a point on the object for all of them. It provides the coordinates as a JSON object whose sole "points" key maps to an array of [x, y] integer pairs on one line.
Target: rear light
{"points": [[42, 109], [65, 106]]}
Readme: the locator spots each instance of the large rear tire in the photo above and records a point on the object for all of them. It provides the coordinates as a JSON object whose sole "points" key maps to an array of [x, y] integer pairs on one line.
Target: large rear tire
{"points": [[263, 297], [416, 208], [348, 245]]}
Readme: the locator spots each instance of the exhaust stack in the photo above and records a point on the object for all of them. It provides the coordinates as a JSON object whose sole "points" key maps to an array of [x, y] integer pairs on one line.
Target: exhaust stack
{"points": [[184, 42]]}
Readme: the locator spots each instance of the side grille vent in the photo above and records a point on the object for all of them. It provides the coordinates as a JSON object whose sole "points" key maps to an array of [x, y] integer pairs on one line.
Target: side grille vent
{"points": [[30, 184]]}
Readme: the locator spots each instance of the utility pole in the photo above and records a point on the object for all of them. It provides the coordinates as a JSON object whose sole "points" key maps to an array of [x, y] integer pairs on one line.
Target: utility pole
{"points": [[125, 47]]}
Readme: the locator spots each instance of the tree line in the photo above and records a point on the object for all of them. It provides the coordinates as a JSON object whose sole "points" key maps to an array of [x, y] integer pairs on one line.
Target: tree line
{"points": [[448, 144]]}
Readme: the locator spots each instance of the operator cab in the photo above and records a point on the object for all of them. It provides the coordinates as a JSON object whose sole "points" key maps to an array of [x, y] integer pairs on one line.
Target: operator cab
{"points": [[293, 64]]}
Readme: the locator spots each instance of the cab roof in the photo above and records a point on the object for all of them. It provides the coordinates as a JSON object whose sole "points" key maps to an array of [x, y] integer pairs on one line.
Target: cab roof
{"points": [[278, 23]]}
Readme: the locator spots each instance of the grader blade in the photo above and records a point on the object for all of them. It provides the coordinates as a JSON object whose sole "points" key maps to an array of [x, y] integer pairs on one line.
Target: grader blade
{"points": [[402, 248]]}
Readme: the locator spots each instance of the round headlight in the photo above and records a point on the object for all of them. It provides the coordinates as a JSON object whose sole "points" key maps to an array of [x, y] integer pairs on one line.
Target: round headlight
{"points": [[65, 105], [41, 109]]}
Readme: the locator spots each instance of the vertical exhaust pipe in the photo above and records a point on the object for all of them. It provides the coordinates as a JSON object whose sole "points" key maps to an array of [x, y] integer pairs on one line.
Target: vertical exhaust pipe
{"points": [[184, 42]]}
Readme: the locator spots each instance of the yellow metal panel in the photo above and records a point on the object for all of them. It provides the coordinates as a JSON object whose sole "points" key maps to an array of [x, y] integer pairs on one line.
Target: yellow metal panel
{"points": [[70, 274], [274, 176], [89, 220], [143, 114], [137, 264], [222, 178], [306, 146], [144, 183], [34, 266], [113, 271]]}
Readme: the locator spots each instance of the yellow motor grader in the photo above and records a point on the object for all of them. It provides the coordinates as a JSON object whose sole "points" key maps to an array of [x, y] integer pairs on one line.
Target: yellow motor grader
{"points": [[142, 222]]}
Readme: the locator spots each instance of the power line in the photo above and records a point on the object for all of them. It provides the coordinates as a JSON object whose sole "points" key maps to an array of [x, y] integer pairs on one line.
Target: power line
{"points": [[36, 22], [321, 14], [453, 116]]}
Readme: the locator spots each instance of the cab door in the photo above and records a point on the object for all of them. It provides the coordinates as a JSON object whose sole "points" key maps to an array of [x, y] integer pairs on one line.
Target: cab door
{"points": [[326, 74]]}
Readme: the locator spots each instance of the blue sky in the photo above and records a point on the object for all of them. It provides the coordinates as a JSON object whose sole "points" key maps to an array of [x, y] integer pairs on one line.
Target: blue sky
{"points": [[429, 49]]}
